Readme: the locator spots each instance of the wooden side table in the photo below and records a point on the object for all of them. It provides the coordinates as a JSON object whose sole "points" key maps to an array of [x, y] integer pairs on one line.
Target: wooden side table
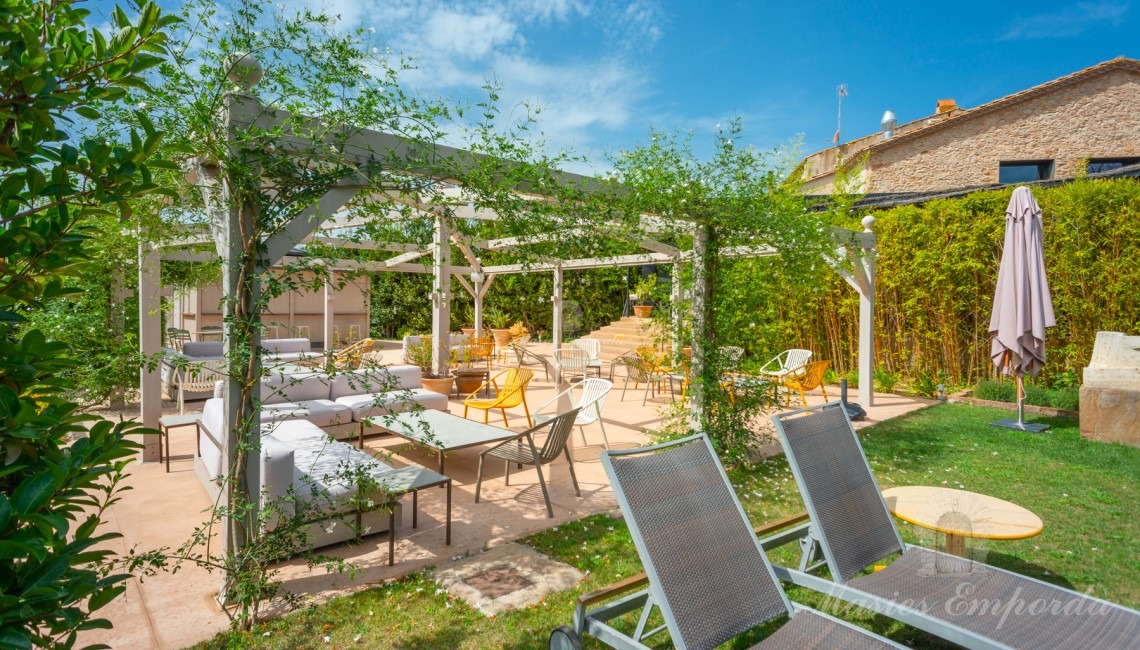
{"points": [[412, 479], [168, 422], [960, 514]]}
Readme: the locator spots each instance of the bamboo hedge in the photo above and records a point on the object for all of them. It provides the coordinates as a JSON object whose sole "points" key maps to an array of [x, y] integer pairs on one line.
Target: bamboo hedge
{"points": [[937, 265]]}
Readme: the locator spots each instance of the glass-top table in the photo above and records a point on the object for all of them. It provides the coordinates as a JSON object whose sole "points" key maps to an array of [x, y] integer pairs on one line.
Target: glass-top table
{"points": [[439, 430]]}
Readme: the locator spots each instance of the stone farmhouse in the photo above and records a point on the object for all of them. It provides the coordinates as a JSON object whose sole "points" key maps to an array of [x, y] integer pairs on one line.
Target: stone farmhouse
{"points": [[1050, 131]]}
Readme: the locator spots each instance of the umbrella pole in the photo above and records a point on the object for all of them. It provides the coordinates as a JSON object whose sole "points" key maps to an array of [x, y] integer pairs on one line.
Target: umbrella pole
{"points": [[1019, 424]]}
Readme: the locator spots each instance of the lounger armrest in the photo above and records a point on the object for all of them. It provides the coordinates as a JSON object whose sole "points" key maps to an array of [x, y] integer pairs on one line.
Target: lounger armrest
{"points": [[790, 520], [641, 580], [615, 589]]}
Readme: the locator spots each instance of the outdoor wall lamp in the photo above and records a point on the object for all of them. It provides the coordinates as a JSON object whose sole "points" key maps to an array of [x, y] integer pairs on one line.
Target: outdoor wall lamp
{"points": [[478, 276]]}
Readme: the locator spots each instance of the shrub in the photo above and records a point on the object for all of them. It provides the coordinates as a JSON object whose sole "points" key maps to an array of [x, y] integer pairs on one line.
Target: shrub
{"points": [[886, 380], [996, 391], [1068, 399]]}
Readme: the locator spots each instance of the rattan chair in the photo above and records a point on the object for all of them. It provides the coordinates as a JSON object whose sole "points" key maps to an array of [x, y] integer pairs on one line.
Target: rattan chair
{"points": [[523, 450], [570, 362], [524, 357], [591, 398], [196, 376], [511, 394], [705, 574], [350, 358], [811, 378], [852, 530]]}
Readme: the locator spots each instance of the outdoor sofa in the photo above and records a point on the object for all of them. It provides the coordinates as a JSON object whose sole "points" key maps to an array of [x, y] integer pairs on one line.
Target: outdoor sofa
{"points": [[276, 351], [301, 464]]}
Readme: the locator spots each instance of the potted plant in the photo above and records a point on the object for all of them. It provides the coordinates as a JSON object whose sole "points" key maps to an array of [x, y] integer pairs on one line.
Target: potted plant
{"points": [[468, 377], [643, 292], [469, 317], [420, 354], [500, 321]]}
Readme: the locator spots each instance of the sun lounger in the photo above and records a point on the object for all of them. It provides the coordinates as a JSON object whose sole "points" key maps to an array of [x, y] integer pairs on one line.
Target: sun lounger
{"points": [[969, 603]]}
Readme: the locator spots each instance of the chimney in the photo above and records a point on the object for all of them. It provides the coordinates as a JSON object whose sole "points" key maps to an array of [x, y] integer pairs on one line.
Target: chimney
{"points": [[888, 123], [945, 106]]}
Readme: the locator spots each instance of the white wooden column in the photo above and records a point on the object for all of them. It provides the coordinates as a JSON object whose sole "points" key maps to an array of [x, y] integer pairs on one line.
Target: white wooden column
{"points": [[441, 296], [556, 299], [150, 343], [867, 323], [330, 312], [676, 296]]}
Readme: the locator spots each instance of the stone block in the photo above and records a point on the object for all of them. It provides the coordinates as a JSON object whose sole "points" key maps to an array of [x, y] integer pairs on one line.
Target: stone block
{"points": [[1110, 415]]}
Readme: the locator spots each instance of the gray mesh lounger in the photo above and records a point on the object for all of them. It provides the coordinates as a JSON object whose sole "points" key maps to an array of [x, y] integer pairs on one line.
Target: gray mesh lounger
{"points": [[706, 573], [969, 603]]}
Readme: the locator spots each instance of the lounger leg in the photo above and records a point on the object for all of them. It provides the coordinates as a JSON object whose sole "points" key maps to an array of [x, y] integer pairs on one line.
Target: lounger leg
{"points": [[570, 463], [478, 478], [507, 472]]}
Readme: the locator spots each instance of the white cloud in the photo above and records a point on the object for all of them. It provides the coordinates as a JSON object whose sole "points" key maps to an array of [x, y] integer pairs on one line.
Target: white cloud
{"points": [[1070, 21], [471, 36]]}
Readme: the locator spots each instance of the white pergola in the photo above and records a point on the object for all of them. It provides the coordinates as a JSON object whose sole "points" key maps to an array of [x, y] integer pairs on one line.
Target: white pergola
{"points": [[322, 222]]}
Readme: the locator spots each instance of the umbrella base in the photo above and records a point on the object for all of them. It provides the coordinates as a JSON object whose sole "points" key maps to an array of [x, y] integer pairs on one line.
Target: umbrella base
{"points": [[1020, 426]]}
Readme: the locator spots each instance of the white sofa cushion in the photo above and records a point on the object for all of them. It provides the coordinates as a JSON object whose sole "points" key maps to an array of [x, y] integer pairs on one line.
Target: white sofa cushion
{"points": [[199, 349], [377, 404], [376, 380], [279, 347], [321, 412], [277, 476], [319, 463], [293, 388]]}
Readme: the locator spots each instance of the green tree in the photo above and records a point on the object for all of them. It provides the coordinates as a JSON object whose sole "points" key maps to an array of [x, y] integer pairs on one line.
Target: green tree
{"points": [[735, 203], [61, 469]]}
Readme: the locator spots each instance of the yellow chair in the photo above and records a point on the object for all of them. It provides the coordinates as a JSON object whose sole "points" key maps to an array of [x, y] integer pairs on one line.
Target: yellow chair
{"points": [[349, 358], [811, 377], [512, 393]]}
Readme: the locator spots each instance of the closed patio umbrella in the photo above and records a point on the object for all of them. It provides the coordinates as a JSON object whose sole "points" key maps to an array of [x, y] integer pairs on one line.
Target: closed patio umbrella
{"points": [[1022, 306]]}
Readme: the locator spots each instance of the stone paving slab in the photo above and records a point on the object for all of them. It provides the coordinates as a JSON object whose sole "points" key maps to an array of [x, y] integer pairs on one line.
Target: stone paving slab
{"points": [[509, 576]]}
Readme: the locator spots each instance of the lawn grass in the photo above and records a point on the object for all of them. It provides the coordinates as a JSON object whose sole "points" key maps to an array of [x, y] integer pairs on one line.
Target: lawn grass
{"points": [[1085, 492]]}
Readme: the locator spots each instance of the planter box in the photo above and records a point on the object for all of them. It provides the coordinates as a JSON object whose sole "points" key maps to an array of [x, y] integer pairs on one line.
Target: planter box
{"points": [[468, 381], [441, 385], [642, 311]]}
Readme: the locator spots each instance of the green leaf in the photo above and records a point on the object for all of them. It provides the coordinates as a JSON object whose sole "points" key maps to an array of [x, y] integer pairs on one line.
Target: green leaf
{"points": [[33, 493]]}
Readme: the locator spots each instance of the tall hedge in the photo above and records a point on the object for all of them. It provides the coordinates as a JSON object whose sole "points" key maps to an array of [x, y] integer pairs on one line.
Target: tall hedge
{"points": [[937, 265]]}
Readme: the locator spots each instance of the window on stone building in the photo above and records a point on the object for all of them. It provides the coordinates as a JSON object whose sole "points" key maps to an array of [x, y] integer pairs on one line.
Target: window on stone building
{"points": [[1024, 171], [1097, 165]]}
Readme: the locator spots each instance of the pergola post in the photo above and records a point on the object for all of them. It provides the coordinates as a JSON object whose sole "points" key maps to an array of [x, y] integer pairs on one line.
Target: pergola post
{"points": [[441, 296], [867, 322], [702, 317], [330, 313], [556, 300], [150, 341], [676, 296]]}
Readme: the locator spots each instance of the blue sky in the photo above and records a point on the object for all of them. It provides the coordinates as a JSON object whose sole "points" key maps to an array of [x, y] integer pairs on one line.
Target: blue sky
{"points": [[604, 71]]}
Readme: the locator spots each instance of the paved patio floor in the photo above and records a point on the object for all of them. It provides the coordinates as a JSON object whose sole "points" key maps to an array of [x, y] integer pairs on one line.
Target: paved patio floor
{"points": [[176, 610]]}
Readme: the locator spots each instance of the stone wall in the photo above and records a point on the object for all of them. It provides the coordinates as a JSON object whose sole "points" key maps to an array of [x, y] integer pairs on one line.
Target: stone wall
{"points": [[1092, 118]]}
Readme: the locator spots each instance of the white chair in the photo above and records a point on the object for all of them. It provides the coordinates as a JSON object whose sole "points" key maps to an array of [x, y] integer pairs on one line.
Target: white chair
{"points": [[571, 361], [197, 376], [787, 364], [593, 347], [734, 354], [589, 405]]}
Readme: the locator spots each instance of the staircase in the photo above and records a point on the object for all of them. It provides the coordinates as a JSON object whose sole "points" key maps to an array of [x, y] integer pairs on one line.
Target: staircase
{"points": [[623, 335]]}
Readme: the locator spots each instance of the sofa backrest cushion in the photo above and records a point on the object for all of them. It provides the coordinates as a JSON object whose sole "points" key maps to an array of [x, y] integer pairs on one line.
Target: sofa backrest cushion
{"points": [[294, 388], [375, 380], [286, 346], [277, 474], [202, 348]]}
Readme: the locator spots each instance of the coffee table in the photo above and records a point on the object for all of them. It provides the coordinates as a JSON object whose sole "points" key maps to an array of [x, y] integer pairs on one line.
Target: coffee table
{"points": [[412, 479], [444, 431], [960, 514]]}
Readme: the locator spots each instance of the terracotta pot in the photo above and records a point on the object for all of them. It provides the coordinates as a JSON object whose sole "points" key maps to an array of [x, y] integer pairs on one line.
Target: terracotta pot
{"points": [[502, 337], [469, 331], [468, 382], [441, 385], [642, 311]]}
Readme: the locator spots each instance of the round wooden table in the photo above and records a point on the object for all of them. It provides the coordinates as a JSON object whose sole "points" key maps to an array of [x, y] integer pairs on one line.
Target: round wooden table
{"points": [[960, 514]]}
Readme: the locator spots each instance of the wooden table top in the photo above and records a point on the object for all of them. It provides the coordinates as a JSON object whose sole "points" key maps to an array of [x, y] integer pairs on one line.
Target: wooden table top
{"points": [[958, 512]]}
